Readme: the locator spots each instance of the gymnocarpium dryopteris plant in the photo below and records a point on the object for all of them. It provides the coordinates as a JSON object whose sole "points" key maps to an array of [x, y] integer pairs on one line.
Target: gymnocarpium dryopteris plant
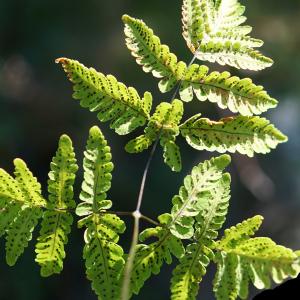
{"points": [[214, 32]]}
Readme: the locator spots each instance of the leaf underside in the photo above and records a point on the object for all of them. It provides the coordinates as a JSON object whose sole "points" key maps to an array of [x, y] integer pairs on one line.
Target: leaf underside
{"points": [[112, 100], [246, 135]]}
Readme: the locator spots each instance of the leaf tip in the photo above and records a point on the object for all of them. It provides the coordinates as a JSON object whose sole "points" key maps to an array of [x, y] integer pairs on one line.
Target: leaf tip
{"points": [[126, 18], [62, 60], [223, 161]]}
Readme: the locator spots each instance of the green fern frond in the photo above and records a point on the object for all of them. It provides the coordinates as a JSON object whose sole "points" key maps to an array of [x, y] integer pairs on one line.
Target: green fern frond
{"points": [[164, 124], [246, 135], [97, 174], [57, 221], [192, 266], [22, 225], [20, 232], [113, 101], [238, 95], [195, 191], [242, 260], [151, 54], [234, 55], [149, 258], [103, 257], [213, 33], [11, 200], [29, 186]]}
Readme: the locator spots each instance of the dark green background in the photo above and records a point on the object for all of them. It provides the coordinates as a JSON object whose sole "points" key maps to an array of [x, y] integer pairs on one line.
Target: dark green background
{"points": [[36, 108]]}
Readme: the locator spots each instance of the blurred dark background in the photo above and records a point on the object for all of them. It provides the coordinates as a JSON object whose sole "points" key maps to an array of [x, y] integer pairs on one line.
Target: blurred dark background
{"points": [[36, 108]]}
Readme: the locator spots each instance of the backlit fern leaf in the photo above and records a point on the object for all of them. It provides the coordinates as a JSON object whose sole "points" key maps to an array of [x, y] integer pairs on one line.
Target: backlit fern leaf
{"points": [[196, 190], [246, 135], [213, 32], [97, 174], [164, 124], [20, 230], [242, 260], [113, 101], [57, 221], [151, 54], [238, 95], [103, 257], [192, 266], [11, 200], [150, 258]]}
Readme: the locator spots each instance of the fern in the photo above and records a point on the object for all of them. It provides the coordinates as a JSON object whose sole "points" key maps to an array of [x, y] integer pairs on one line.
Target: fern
{"points": [[195, 191], [11, 200], [20, 229], [113, 101], [149, 258], [246, 135], [151, 54], [56, 224], [103, 257], [163, 125], [242, 259], [213, 33], [238, 95], [192, 266]]}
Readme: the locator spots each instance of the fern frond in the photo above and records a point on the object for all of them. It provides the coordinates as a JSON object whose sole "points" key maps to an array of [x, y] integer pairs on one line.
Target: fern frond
{"points": [[20, 232], [20, 229], [113, 101], [11, 200], [164, 124], [242, 260], [151, 54], [103, 257], [238, 95], [234, 55], [29, 186], [246, 135], [195, 191], [56, 223], [213, 32], [97, 174], [149, 258], [192, 266]]}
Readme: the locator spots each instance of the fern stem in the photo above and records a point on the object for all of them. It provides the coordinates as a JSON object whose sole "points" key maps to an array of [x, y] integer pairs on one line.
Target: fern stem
{"points": [[137, 213], [137, 216], [130, 213]]}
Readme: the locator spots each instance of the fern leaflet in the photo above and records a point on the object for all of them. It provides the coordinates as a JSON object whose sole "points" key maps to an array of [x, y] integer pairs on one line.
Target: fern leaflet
{"points": [[163, 125], [113, 101], [242, 259], [151, 54], [57, 221], [195, 191], [20, 230], [192, 266], [11, 200], [213, 33], [238, 95], [103, 257], [149, 258], [246, 135]]}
